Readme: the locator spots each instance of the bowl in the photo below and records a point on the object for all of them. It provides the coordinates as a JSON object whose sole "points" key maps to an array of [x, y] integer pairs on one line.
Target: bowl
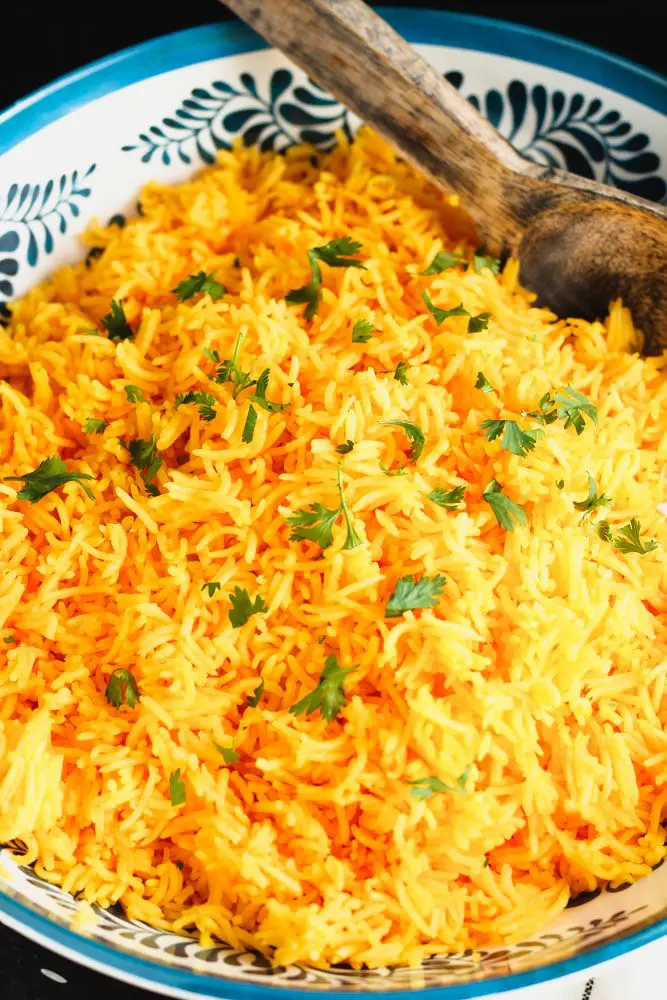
{"points": [[82, 148]]}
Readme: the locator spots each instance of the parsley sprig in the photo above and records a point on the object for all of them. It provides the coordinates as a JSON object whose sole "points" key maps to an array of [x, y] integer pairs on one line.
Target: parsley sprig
{"points": [[230, 755], [176, 788], [443, 261], [336, 253], [317, 523], [199, 283], [134, 394], [593, 500], [483, 383], [507, 512], [362, 331], [48, 476], [449, 499], [93, 425], [415, 435], [411, 593], [329, 695], [628, 539]]}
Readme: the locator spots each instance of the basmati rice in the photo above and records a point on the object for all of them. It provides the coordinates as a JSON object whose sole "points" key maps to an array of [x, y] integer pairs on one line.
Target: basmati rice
{"points": [[540, 674]]}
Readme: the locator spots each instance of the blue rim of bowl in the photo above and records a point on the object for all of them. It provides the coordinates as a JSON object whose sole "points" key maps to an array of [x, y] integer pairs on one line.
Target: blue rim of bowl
{"points": [[195, 45]]}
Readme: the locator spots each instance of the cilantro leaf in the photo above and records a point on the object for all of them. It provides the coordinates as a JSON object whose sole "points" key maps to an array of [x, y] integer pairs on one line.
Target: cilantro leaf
{"points": [[116, 324], [507, 512], [211, 355], [249, 425], [560, 483], [401, 471], [572, 405], [483, 383], [415, 435], [10, 640], [204, 400], [450, 499], [134, 394], [229, 754], [401, 372], [144, 456], [329, 695], [228, 370], [92, 425], [260, 394], [514, 440], [48, 476], [410, 594], [253, 699], [335, 253], [628, 539], [424, 788], [603, 529], [546, 413], [593, 500], [440, 315], [480, 262], [201, 282], [362, 331], [176, 788], [212, 587], [345, 449], [315, 524], [443, 261], [478, 323], [243, 607], [122, 687]]}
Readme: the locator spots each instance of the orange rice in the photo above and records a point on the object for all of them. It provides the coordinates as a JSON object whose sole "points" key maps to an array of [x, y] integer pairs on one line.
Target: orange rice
{"points": [[541, 672]]}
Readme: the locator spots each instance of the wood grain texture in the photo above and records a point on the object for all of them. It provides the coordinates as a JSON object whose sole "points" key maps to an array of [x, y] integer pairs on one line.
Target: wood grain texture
{"points": [[580, 243]]}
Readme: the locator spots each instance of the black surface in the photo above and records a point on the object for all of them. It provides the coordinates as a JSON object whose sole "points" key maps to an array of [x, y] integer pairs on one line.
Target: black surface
{"points": [[38, 48]]}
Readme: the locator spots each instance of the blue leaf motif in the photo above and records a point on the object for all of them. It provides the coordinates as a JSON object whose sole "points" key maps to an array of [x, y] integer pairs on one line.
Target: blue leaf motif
{"points": [[248, 81], [280, 81], [9, 241], [8, 266], [235, 121], [315, 100]]}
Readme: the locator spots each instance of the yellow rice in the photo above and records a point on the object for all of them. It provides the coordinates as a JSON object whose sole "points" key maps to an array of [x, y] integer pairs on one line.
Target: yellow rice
{"points": [[542, 669]]}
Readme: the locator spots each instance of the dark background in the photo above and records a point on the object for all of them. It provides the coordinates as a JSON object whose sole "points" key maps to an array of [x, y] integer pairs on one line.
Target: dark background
{"points": [[37, 49]]}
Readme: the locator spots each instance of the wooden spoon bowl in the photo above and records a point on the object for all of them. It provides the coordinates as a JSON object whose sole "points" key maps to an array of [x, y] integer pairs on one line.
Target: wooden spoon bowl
{"points": [[580, 243]]}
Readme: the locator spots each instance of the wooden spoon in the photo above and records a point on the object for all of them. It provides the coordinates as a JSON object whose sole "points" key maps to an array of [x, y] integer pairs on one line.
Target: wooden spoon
{"points": [[580, 243]]}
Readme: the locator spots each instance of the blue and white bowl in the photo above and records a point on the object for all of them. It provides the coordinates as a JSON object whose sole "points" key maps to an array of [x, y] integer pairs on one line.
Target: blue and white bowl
{"points": [[82, 148]]}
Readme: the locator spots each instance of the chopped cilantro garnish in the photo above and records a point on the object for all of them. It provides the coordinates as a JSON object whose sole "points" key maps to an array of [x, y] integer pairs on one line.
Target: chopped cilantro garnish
{"points": [[212, 587], [483, 383], [337, 253], [546, 413], [48, 476], [144, 456], [424, 788], [249, 425], [478, 323], [362, 331], [571, 406], [603, 529], [253, 699], [200, 283], [243, 607], [10, 640], [176, 788], [507, 512], [401, 372], [411, 594], [317, 523], [450, 499], [134, 394], [593, 500], [628, 540], [346, 448], [415, 435], [329, 695], [116, 324], [230, 754], [515, 440], [204, 400], [92, 425], [122, 687], [440, 315], [479, 262], [443, 261]]}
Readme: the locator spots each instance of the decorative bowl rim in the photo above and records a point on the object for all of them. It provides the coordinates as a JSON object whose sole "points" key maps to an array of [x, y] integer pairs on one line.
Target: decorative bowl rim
{"points": [[177, 50]]}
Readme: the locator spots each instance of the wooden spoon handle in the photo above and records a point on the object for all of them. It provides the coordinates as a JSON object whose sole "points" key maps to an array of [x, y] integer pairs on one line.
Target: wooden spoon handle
{"points": [[355, 55]]}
